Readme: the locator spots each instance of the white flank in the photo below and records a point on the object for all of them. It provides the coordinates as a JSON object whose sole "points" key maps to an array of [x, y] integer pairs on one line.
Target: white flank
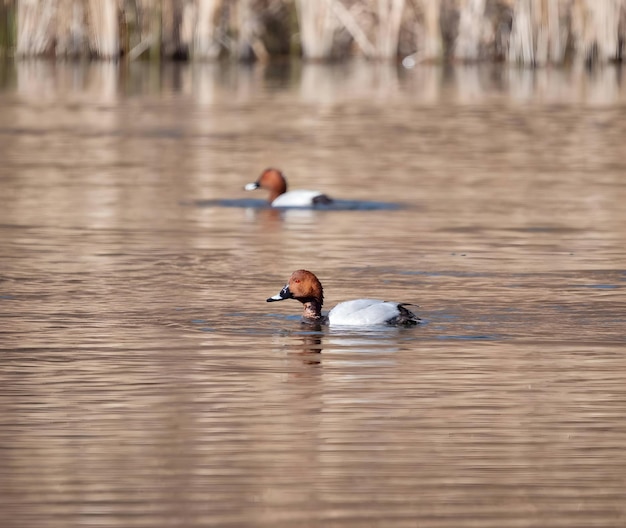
{"points": [[299, 198], [361, 312]]}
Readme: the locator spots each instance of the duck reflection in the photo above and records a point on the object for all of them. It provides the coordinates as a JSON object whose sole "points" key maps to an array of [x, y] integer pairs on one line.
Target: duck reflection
{"points": [[361, 347], [272, 217], [310, 345]]}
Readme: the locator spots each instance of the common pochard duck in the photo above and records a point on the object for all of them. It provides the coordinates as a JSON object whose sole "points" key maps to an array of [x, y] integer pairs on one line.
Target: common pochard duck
{"points": [[274, 181], [305, 287]]}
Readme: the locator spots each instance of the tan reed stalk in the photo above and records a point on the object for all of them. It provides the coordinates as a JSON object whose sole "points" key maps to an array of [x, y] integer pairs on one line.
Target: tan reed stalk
{"points": [[35, 23], [130, 37], [171, 20], [549, 35], [521, 44], [352, 26], [388, 31], [539, 37], [543, 31], [248, 45], [71, 37], [155, 36], [7, 27], [143, 28], [317, 28], [432, 41], [558, 33], [471, 23], [187, 27], [596, 29], [104, 34], [204, 44]]}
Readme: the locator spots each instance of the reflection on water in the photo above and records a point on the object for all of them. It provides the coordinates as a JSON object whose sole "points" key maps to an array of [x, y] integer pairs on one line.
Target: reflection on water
{"points": [[210, 83], [335, 205], [144, 380]]}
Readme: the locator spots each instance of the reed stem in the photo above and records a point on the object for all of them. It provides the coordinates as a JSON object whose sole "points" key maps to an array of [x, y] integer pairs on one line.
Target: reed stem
{"points": [[471, 21], [104, 29], [7, 28], [317, 28], [389, 20], [432, 41], [204, 44], [542, 31]]}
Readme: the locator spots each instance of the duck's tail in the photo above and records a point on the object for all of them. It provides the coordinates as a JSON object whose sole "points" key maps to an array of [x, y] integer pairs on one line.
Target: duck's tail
{"points": [[406, 316]]}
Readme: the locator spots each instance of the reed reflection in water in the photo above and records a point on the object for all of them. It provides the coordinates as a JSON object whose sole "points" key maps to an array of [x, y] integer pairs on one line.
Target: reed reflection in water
{"points": [[146, 382], [209, 83]]}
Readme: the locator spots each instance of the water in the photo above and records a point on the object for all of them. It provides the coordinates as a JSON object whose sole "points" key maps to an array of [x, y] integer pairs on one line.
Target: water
{"points": [[146, 382]]}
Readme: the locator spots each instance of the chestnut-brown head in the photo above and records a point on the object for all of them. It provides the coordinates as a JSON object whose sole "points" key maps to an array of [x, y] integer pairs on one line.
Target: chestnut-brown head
{"points": [[305, 287], [272, 180]]}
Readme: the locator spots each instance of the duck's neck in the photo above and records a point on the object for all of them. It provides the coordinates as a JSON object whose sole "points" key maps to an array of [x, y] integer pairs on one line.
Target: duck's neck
{"points": [[273, 195], [312, 309], [277, 191]]}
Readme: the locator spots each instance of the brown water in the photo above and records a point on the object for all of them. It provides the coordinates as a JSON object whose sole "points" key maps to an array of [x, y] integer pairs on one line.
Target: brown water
{"points": [[144, 380]]}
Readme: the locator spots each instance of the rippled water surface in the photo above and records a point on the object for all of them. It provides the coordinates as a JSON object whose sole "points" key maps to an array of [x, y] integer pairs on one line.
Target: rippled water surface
{"points": [[144, 380]]}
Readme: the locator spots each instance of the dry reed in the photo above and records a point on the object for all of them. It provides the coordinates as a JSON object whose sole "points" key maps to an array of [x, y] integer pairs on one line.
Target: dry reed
{"points": [[104, 28], [348, 19], [596, 29], [317, 28], [471, 22], [71, 37], [431, 48], [388, 27], [545, 30], [537, 36], [204, 43], [35, 34], [7, 27], [529, 32]]}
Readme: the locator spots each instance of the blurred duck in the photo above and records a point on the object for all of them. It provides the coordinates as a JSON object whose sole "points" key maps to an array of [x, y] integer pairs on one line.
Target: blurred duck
{"points": [[274, 181], [305, 287]]}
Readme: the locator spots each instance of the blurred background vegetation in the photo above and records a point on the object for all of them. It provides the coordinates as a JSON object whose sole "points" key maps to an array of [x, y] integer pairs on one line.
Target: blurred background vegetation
{"points": [[531, 32]]}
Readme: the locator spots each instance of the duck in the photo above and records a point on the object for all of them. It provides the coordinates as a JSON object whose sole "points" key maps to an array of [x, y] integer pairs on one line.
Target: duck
{"points": [[305, 287], [274, 181]]}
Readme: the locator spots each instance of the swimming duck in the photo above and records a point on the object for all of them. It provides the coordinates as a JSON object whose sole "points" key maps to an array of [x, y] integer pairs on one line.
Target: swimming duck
{"points": [[274, 181], [305, 287]]}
